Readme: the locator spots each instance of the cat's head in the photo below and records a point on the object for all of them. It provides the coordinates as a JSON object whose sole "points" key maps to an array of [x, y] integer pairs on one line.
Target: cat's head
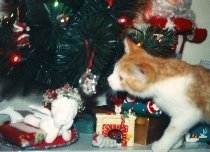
{"points": [[131, 73]]}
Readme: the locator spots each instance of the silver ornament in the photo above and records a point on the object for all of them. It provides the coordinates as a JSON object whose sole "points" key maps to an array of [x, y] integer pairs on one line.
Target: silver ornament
{"points": [[88, 83]]}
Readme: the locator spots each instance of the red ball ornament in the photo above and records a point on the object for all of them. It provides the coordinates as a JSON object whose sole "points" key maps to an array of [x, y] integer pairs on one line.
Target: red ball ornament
{"points": [[15, 58]]}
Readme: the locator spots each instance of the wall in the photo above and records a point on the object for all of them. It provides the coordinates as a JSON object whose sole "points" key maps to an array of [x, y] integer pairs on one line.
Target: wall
{"points": [[193, 53], [1, 11]]}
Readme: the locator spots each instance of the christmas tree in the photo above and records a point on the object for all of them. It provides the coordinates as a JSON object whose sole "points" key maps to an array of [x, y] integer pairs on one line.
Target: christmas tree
{"points": [[47, 43]]}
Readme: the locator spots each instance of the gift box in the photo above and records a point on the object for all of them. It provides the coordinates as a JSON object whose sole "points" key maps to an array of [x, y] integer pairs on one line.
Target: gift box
{"points": [[21, 134], [148, 130]]}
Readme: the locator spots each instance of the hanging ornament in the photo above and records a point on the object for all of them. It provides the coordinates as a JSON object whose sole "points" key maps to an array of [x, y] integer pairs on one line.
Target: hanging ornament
{"points": [[88, 80], [63, 19], [20, 35]]}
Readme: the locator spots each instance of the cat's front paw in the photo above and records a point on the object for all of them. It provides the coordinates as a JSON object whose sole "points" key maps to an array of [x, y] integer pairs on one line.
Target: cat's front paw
{"points": [[159, 147], [178, 144]]}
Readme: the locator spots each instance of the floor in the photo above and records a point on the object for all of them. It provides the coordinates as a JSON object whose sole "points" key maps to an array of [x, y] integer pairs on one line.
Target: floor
{"points": [[84, 144]]}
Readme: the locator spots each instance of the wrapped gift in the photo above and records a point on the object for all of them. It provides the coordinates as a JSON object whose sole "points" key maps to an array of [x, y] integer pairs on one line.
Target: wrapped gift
{"points": [[148, 130], [21, 134]]}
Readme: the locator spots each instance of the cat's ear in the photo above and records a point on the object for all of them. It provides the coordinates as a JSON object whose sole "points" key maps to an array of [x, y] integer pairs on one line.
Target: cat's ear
{"points": [[144, 72], [139, 72], [130, 46]]}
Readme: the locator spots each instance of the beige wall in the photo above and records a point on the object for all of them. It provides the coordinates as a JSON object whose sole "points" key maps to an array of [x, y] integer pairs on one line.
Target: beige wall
{"points": [[1, 13], [193, 53]]}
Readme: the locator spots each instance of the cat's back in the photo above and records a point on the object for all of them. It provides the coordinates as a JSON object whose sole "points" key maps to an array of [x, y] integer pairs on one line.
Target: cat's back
{"points": [[193, 78], [170, 67], [173, 68]]}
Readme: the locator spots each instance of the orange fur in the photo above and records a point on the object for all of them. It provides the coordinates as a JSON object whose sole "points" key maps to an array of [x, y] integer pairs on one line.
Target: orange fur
{"points": [[180, 90], [159, 69]]}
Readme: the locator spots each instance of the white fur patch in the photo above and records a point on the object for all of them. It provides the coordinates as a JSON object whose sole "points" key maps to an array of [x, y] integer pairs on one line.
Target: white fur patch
{"points": [[114, 80], [171, 95]]}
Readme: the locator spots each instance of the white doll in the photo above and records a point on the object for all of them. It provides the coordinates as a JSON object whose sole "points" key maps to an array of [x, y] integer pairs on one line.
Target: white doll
{"points": [[14, 116], [56, 122]]}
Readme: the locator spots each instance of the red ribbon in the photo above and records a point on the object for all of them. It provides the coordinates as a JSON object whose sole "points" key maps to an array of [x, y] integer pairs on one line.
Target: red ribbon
{"points": [[90, 56]]}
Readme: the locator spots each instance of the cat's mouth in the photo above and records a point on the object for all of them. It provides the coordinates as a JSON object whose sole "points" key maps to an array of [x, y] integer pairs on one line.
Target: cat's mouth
{"points": [[114, 84]]}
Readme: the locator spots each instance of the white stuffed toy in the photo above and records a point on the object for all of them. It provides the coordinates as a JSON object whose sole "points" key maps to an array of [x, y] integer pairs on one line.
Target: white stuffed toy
{"points": [[14, 115], [56, 122], [65, 103], [57, 118]]}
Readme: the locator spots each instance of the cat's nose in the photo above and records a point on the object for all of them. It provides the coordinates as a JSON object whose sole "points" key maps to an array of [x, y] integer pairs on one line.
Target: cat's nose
{"points": [[109, 80]]}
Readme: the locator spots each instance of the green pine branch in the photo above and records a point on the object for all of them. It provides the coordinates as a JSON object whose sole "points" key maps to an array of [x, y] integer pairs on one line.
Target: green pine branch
{"points": [[58, 53]]}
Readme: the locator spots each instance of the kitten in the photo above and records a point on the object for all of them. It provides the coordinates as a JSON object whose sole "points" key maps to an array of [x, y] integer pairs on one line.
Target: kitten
{"points": [[180, 90]]}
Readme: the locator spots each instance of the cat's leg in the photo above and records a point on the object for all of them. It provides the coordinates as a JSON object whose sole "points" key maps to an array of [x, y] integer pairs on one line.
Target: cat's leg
{"points": [[178, 126], [179, 143]]}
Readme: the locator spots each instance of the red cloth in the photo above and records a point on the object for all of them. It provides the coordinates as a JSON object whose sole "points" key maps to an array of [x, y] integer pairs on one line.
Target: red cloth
{"points": [[31, 140], [21, 134]]}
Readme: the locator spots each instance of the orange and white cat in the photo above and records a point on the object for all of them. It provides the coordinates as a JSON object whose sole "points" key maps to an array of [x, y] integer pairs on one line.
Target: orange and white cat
{"points": [[180, 90]]}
